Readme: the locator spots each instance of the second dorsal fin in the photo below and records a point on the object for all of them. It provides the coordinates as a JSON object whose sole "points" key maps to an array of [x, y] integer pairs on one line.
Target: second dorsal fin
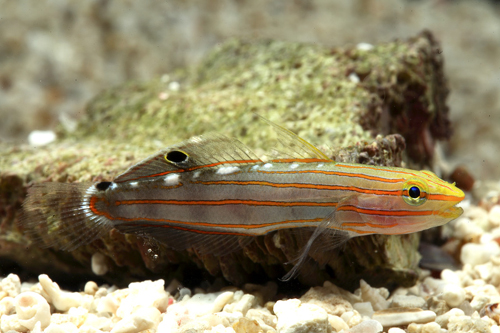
{"points": [[293, 146]]}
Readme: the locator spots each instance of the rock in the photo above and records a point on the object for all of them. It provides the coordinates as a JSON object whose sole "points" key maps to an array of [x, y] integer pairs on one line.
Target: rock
{"points": [[311, 106], [403, 316], [294, 317]]}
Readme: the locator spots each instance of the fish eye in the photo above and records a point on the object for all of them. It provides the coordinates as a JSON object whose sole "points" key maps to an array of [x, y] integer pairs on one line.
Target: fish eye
{"points": [[176, 156], [414, 192]]}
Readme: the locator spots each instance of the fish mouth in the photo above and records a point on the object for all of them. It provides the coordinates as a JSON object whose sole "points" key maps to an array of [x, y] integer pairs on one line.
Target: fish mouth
{"points": [[451, 213]]}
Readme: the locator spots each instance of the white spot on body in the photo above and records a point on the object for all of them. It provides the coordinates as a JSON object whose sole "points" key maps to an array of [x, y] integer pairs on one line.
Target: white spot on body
{"points": [[196, 174], [113, 186], [267, 165], [294, 165], [320, 165], [255, 167], [172, 179], [227, 170], [133, 184]]}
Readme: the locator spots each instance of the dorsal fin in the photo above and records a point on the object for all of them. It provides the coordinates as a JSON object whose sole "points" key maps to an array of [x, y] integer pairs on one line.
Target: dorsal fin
{"points": [[293, 146], [199, 151]]}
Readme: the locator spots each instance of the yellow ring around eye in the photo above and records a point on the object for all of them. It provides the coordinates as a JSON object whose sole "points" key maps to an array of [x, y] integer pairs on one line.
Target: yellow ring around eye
{"points": [[415, 192], [176, 156]]}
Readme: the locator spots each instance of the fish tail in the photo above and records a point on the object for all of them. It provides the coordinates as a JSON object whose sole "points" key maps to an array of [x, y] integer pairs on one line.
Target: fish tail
{"points": [[57, 215]]}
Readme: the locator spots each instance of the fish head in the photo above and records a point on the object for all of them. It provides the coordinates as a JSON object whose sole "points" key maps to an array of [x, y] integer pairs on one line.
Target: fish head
{"points": [[427, 192]]}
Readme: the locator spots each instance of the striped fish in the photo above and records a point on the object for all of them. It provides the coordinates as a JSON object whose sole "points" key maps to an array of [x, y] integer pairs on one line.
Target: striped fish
{"points": [[211, 193]]}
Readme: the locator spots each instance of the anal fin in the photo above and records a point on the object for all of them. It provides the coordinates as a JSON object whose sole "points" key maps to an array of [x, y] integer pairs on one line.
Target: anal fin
{"points": [[216, 244]]}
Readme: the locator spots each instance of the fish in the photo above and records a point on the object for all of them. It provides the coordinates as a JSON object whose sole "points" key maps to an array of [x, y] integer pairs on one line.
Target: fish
{"points": [[211, 193]]}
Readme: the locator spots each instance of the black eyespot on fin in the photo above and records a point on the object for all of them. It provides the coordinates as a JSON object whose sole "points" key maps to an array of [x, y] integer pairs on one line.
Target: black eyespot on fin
{"points": [[103, 186], [414, 192], [176, 156]]}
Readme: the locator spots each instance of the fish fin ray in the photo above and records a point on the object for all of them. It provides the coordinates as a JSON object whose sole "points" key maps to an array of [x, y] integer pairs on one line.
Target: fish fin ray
{"points": [[292, 145], [325, 227], [200, 150], [53, 216], [180, 240]]}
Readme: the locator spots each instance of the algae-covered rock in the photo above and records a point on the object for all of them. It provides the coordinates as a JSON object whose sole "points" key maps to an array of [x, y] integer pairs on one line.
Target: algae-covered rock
{"points": [[358, 104]]}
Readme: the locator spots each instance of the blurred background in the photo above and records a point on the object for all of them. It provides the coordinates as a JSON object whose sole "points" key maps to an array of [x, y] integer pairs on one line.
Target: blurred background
{"points": [[56, 55]]}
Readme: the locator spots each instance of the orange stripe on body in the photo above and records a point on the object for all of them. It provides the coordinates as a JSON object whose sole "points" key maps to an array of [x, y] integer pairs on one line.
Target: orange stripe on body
{"points": [[301, 160], [301, 185], [226, 202], [342, 174], [386, 212], [392, 170], [94, 200], [193, 168]]}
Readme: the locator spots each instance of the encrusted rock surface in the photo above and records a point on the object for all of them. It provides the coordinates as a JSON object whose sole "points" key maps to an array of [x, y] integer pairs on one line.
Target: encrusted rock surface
{"points": [[331, 97]]}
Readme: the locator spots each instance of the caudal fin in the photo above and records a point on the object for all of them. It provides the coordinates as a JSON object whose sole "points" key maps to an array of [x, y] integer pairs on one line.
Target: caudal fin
{"points": [[57, 215]]}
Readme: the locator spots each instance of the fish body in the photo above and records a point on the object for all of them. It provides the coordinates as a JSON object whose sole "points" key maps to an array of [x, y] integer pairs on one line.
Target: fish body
{"points": [[213, 194]]}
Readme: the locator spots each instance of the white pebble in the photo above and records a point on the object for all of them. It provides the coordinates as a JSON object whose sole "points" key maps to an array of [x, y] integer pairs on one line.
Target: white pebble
{"points": [[431, 328], [242, 304], [376, 296], [477, 254], [141, 294], [453, 295], [61, 328], [407, 301], [99, 264], [337, 323], [466, 229], [11, 285], [61, 300], [41, 138], [142, 319], [443, 319], [396, 317], [32, 308], [364, 46], [294, 317], [494, 215], [7, 306], [174, 86], [450, 276], [395, 330], [90, 288], [364, 308], [367, 326]]}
